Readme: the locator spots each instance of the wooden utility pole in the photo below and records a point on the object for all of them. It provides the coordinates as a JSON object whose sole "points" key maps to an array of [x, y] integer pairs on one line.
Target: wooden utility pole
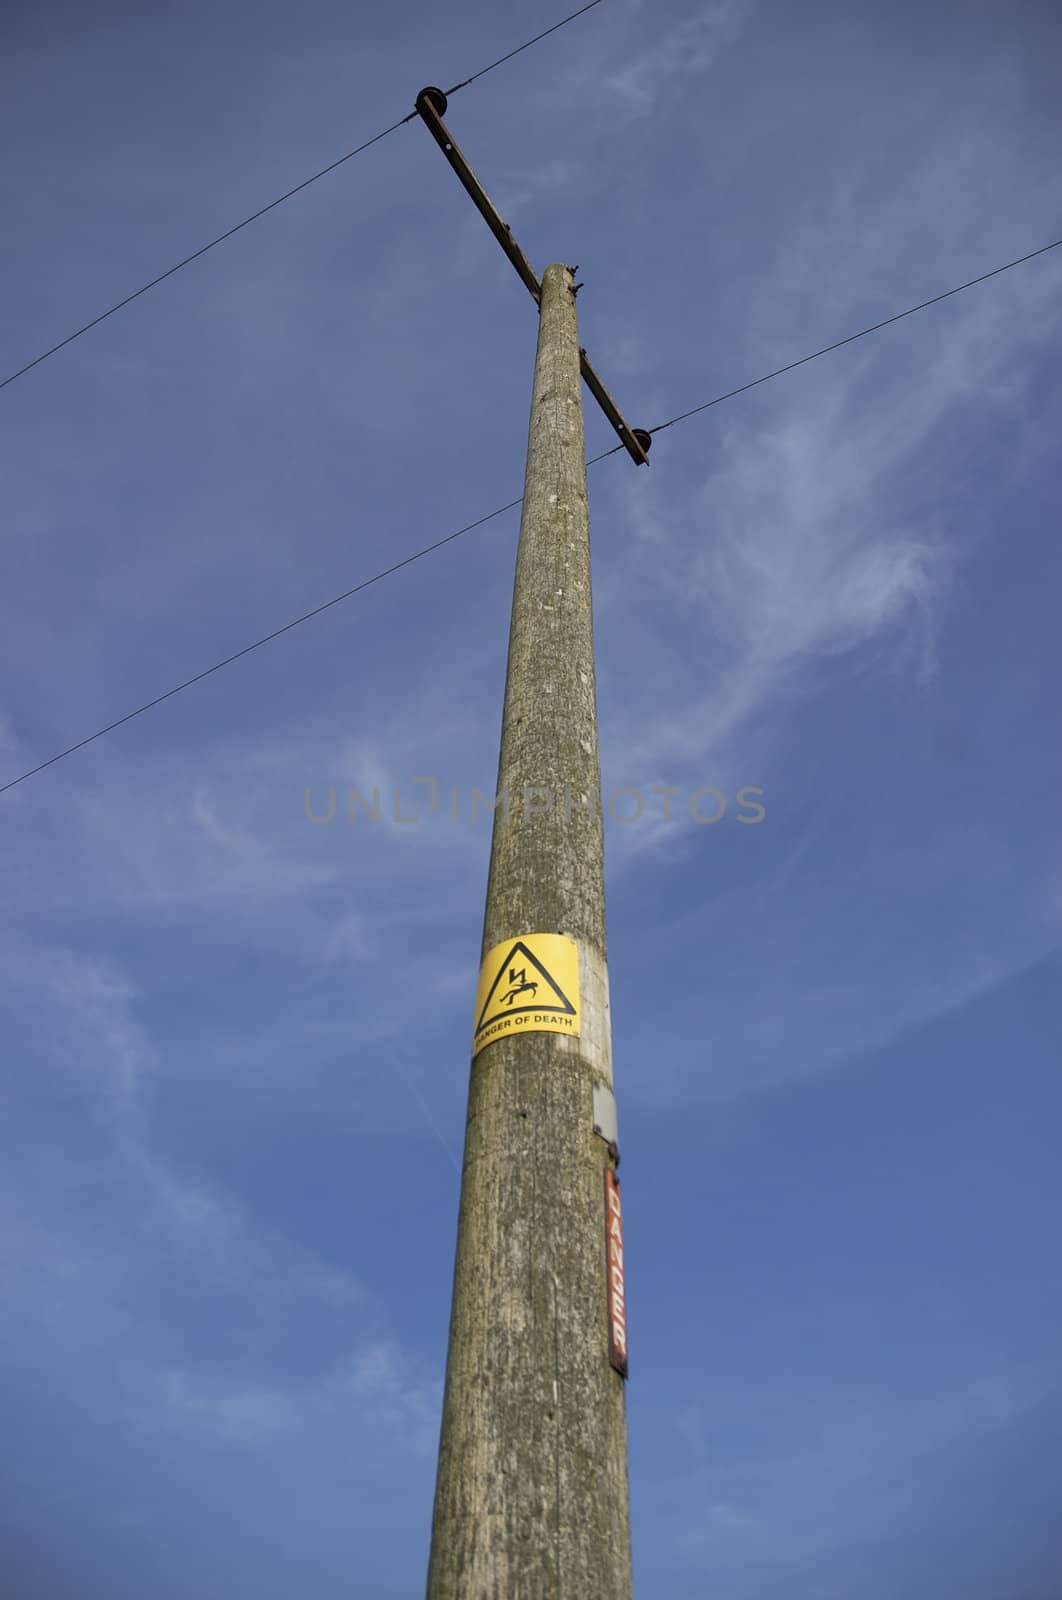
{"points": [[531, 1499]]}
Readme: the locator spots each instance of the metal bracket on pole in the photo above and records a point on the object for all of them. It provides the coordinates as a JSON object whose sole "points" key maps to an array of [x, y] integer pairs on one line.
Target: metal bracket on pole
{"points": [[605, 1115], [431, 103]]}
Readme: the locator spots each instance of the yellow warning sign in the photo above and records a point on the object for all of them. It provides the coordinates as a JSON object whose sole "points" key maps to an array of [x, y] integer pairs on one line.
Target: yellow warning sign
{"points": [[528, 985]]}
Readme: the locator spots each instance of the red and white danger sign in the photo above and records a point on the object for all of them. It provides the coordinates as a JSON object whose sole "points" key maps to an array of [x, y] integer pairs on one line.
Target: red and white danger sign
{"points": [[617, 1301]]}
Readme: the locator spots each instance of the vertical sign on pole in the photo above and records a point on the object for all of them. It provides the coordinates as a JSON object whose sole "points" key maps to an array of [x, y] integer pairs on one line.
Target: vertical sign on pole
{"points": [[617, 1300]]}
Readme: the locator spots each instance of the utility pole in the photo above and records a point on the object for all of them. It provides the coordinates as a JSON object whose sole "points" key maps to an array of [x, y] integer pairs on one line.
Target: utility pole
{"points": [[531, 1498]]}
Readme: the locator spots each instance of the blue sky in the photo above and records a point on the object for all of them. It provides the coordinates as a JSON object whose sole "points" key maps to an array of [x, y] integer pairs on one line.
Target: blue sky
{"points": [[236, 1043]]}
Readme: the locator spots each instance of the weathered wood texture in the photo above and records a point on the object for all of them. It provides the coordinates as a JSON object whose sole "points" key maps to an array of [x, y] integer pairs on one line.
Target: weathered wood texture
{"points": [[531, 1500]]}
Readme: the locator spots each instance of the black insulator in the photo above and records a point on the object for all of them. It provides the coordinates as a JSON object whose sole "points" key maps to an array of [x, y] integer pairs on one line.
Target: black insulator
{"points": [[435, 98]]}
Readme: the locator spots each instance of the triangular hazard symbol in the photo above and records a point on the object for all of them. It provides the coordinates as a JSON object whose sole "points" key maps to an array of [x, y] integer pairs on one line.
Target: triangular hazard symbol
{"points": [[523, 984]]}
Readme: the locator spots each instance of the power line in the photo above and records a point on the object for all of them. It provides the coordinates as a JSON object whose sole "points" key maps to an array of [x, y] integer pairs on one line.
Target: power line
{"points": [[258, 643], [450, 537], [197, 253], [305, 184], [837, 345], [777, 373], [544, 35]]}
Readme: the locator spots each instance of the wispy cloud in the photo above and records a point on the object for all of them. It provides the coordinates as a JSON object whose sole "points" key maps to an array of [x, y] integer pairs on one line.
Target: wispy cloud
{"points": [[374, 1395], [667, 51], [815, 547], [774, 1510], [365, 1398], [95, 1034]]}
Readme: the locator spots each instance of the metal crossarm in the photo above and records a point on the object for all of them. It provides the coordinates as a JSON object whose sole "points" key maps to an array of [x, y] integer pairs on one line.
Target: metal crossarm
{"points": [[431, 103]]}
